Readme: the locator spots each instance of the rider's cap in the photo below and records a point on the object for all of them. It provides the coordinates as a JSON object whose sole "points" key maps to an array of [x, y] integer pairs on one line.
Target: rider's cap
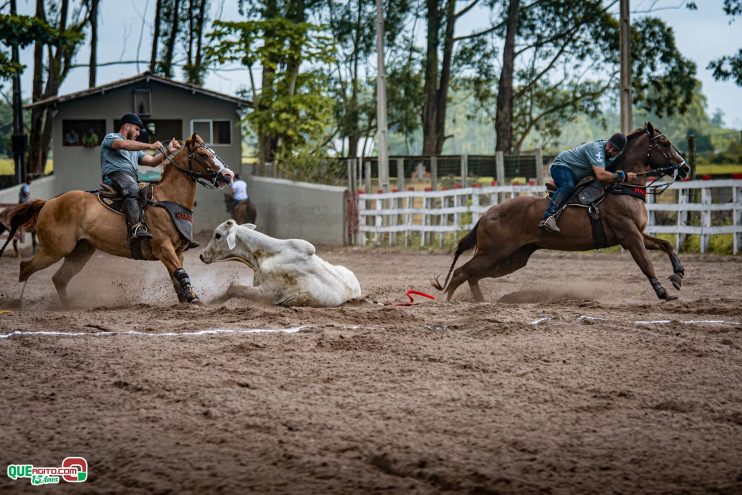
{"points": [[618, 141], [132, 118]]}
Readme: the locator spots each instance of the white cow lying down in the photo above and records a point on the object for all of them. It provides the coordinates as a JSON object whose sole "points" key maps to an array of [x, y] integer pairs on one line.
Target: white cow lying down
{"points": [[286, 271]]}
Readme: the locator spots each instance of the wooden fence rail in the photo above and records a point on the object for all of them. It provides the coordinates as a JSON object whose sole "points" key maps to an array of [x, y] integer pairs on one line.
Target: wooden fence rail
{"points": [[427, 218]]}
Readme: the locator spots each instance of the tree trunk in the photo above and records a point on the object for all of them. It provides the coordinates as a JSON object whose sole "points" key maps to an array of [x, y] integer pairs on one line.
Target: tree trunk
{"points": [[267, 143], [155, 38], [431, 80], [35, 164], [93, 43], [197, 69], [504, 112], [167, 62], [354, 134], [442, 93]]}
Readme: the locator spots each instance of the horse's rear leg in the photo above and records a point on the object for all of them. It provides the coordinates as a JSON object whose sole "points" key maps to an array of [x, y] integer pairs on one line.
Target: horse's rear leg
{"points": [[677, 267], [634, 242], [42, 260], [514, 262], [73, 263]]}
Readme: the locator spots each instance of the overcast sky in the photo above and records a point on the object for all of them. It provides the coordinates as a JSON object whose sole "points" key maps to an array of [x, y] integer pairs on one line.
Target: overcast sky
{"points": [[701, 35]]}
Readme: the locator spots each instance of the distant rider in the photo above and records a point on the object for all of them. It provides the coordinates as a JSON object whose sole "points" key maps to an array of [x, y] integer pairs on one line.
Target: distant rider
{"points": [[238, 193], [571, 166], [120, 156]]}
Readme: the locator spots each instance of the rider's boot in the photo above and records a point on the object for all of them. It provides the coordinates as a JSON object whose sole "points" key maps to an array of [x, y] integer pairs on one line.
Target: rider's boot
{"points": [[549, 223], [134, 220]]}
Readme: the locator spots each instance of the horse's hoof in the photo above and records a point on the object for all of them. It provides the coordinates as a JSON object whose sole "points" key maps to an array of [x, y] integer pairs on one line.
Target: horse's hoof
{"points": [[677, 280], [670, 298], [196, 301]]}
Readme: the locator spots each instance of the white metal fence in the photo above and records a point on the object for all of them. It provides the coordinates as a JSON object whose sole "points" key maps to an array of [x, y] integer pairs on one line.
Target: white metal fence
{"points": [[427, 218]]}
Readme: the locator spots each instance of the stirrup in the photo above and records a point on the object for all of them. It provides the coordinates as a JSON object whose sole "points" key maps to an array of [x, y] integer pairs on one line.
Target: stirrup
{"points": [[139, 231], [549, 224]]}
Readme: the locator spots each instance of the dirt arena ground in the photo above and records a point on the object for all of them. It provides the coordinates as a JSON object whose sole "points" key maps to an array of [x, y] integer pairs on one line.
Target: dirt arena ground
{"points": [[571, 378]]}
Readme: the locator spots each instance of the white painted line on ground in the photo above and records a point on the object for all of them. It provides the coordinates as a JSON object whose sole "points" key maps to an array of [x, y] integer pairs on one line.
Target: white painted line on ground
{"points": [[688, 322], [210, 331], [584, 317], [540, 320]]}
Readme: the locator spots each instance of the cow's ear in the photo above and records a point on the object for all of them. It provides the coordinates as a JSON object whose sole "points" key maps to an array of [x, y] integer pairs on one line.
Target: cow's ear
{"points": [[250, 226], [231, 242]]}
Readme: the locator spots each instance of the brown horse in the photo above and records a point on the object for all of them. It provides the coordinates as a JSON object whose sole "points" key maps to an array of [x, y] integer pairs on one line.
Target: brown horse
{"points": [[507, 234], [73, 225], [20, 234], [245, 212]]}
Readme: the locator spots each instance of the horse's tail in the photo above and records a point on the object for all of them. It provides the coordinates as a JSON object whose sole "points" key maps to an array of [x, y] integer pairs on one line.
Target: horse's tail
{"points": [[24, 215], [466, 243]]}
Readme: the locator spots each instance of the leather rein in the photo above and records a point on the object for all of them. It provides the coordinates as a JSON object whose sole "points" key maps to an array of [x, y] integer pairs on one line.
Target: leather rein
{"points": [[208, 179]]}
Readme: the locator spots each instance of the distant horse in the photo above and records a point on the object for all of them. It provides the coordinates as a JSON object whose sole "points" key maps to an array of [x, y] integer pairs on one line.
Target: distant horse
{"points": [[73, 225], [20, 234], [245, 212], [242, 211], [507, 234]]}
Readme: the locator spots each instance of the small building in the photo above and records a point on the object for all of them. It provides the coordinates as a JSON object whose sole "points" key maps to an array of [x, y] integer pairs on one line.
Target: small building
{"points": [[169, 109]]}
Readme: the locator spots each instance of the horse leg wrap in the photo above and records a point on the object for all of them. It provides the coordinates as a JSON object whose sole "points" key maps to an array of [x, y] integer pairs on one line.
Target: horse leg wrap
{"points": [[186, 289], [658, 289]]}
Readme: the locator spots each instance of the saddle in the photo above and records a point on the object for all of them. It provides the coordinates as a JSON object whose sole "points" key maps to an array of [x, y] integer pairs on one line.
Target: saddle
{"points": [[588, 193], [112, 199], [181, 216]]}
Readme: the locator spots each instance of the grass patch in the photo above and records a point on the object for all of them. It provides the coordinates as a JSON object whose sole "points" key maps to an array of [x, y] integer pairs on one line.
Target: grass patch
{"points": [[712, 169], [7, 166]]}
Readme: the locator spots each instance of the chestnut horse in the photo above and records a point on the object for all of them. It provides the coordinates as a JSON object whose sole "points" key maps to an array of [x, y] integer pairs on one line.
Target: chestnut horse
{"points": [[245, 212], [74, 224], [507, 234]]}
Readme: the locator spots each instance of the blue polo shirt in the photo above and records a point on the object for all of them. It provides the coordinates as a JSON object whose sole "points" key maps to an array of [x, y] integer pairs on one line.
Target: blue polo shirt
{"points": [[112, 160], [583, 158]]}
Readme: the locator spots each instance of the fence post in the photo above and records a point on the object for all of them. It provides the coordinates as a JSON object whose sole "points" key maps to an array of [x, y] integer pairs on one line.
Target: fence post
{"points": [[539, 167], [363, 220], [400, 174], [500, 167], [378, 221], [409, 204], [692, 156], [434, 172], [464, 169], [367, 176], [705, 218], [737, 217], [349, 168], [683, 199]]}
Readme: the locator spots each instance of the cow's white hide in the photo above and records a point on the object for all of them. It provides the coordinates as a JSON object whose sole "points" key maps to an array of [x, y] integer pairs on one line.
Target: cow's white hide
{"points": [[287, 271]]}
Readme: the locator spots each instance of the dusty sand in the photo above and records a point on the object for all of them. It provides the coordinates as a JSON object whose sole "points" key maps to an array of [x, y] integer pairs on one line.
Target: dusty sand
{"points": [[551, 386]]}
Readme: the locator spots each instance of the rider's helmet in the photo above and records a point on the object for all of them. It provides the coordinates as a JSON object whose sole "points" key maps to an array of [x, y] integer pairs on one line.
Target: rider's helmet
{"points": [[132, 118], [618, 140]]}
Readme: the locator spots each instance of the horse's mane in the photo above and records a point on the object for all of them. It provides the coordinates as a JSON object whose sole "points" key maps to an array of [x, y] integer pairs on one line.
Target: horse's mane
{"points": [[619, 163], [636, 132]]}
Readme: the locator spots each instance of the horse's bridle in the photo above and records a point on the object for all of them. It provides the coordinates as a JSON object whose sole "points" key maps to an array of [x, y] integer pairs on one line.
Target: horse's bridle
{"points": [[669, 169], [208, 179]]}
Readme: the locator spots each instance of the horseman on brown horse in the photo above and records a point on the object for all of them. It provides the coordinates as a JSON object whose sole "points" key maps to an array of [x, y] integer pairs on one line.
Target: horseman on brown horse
{"points": [[74, 224], [238, 202], [507, 234]]}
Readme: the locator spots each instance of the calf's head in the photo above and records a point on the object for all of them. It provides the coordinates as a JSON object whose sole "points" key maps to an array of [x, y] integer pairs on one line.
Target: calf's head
{"points": [[223, 245]]}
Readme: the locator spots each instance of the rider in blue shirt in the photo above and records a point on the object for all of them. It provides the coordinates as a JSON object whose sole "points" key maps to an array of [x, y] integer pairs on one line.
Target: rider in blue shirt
{"points": [[120, 157], [571, 166]]}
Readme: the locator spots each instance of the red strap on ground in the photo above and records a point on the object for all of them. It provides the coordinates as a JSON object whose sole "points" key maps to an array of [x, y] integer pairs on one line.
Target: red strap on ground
{"points": [[412, 292]]}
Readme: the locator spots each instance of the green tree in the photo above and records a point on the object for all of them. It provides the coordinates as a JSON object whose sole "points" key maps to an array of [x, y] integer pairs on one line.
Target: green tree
{"points": [[21, 30], [52, 61], [729, 66], [292, 109]]}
